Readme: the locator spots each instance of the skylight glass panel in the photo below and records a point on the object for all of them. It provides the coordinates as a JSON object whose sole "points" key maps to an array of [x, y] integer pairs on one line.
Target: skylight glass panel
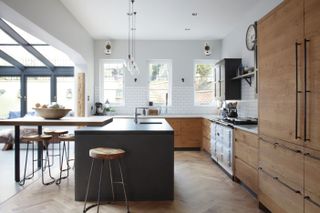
{"points": [[55, 56], [4, 63], [28, 37], [22, 55], [5, 38]]}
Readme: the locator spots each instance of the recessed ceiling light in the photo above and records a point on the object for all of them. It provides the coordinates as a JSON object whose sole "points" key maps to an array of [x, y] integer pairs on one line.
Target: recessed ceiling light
{"points": [[187, 29], [194, 14]]}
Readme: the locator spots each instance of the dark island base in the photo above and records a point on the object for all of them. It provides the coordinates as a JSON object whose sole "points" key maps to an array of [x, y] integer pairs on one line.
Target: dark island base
{"points": [[148, 166]]}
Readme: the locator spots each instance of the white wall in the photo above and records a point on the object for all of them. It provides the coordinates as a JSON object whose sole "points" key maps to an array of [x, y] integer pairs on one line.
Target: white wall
{"points": [[182, 54], [51, 22], [234, 46]]}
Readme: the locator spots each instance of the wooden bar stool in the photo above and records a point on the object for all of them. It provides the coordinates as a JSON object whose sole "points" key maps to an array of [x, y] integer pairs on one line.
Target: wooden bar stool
{"points": [[67, 138], [38, 139], [104, 153]]}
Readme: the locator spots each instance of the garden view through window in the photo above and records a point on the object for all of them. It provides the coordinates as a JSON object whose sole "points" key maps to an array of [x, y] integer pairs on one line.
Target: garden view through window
{"points": [[113, 83], [203, 83], [159, 81]]}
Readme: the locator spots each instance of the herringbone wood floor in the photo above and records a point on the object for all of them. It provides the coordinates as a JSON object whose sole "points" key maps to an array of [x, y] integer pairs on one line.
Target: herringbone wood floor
{"points": [[200, 187]]}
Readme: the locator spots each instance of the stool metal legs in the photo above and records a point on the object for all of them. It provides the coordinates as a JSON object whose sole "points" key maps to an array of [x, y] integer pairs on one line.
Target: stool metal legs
{"points": [[64, 153], [47, 161], [25, 176], [85, 208]]}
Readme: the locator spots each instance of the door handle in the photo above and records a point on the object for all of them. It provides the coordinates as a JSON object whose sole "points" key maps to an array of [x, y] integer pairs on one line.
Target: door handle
{"points": [[311, 156], [297, 89], [312, 201], [306, 41], [279, 181]]}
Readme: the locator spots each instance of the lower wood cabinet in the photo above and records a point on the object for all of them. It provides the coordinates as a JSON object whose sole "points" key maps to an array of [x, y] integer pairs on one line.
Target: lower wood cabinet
{"points": [[187, 132], [246, 158], [277, 196], [247, 174], [312, 180], [206, 135], [283, 160]]}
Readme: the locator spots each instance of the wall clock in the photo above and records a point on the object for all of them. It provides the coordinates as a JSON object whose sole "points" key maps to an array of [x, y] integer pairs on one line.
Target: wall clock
{"points": [[251, 37]]}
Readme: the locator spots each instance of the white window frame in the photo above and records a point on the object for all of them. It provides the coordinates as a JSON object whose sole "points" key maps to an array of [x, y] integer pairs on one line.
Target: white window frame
{"points": [[201, 61], [161, 61], [101, 81]]}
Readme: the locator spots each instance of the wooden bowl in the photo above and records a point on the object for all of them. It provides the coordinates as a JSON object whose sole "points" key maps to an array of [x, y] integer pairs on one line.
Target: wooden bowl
{"points": [[52, 113]]}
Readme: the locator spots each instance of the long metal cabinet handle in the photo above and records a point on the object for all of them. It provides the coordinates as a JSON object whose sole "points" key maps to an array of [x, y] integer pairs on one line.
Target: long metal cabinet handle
{"points": [[279, 181], [311, 201], [311, 156], [306, 41], [297, 90], [281, 146]]}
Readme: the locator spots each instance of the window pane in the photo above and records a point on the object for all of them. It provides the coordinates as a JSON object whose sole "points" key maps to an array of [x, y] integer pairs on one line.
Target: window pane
{"points": [[38, 91], [65, 92], [5, 39], [21, 55], [9, 97], [4, 63], [113, 83], [28, 37], [55, 56], [159, 82], [203, 83]]}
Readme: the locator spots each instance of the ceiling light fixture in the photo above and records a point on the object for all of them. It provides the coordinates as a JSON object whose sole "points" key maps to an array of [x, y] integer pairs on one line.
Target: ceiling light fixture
{"points": [[187, 29], [131, 64], [194, 14]]}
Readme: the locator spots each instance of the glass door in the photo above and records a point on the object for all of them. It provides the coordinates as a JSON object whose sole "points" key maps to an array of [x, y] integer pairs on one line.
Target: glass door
{"points": [[38, 91], [9, 97]]}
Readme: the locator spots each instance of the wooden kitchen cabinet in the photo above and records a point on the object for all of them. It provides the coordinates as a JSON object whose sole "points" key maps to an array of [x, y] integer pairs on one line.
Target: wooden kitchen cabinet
{"points": [[278, 197], [187, 132], [312, 34], [278, 33], [206, 135], [311, 180], [246, 158], [283, 160]]}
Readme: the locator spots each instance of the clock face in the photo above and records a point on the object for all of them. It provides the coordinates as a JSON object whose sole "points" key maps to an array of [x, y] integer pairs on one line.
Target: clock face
{"points": [[251, 37]]}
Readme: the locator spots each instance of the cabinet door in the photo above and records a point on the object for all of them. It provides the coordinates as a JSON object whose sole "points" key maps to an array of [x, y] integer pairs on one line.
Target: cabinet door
{"points": [[278, 33], [206, 135], [312, 33], [277, 196], [311, 180], [247, 174], [191, 132], [283, 160]]}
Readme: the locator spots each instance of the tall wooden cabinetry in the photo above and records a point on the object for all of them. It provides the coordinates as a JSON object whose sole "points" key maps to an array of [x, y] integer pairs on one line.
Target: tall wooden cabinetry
{"points": [[289, 98]]}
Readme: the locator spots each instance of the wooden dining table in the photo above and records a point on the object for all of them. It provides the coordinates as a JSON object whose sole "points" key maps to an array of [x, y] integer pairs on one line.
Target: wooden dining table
{"points": [[40, 122]]}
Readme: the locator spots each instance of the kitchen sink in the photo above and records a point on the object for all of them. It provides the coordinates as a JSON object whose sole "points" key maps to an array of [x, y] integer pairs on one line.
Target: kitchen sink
{"points": [[150, 122]]}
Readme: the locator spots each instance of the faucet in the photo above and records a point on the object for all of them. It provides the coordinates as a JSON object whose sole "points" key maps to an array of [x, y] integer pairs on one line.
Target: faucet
{"points": [[144, 112]]}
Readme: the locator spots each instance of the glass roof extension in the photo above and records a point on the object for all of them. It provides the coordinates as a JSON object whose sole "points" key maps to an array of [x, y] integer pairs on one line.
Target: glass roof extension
{"points": [[16, 50]]}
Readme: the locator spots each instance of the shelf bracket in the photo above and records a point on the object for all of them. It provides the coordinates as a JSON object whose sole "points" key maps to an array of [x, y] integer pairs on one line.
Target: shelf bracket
{"points": [[248, 80]]}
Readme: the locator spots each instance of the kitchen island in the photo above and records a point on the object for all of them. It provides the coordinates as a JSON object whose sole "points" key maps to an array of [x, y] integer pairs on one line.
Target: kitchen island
{"points": [[148, 163]]}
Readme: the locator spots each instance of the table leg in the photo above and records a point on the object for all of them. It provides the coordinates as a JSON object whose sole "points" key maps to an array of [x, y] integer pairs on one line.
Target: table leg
{"points": [[40, 148], [17, 153]]}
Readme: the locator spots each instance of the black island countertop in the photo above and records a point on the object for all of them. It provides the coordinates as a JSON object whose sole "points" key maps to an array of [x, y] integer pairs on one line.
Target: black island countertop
{"points": [[127, 125], [148, 162]]}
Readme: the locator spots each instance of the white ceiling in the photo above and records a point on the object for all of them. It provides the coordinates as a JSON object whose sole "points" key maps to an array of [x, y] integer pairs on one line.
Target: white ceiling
{"points": [[161, 19]]}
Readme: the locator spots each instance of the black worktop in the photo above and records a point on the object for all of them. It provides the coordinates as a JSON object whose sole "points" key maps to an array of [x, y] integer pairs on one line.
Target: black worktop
{"points": [[127, 125]]}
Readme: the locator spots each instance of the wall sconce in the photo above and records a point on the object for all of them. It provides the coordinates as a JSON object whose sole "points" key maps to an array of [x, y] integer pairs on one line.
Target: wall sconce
{"points": [[207, 49]]}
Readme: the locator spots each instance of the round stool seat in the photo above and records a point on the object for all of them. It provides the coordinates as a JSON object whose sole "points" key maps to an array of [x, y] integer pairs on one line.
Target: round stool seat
{"points": [[29, 138], [66, 137], [55, 132], [106, 153]]}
